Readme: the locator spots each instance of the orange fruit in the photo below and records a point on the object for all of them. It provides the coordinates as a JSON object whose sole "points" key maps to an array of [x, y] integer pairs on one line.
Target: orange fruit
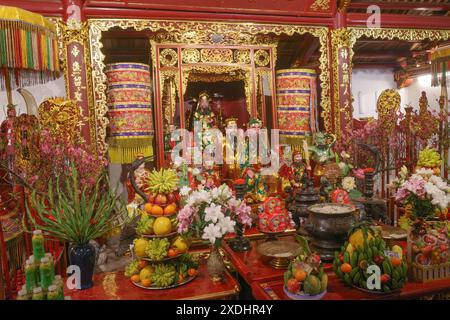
{"points": [[157, 210], [180, 278], [135, 278], [192, 272], [346, 268], [170, 209], [148, 208], [172, 252], [146, 282], [300, 275], [396, 261], [142, 264]]}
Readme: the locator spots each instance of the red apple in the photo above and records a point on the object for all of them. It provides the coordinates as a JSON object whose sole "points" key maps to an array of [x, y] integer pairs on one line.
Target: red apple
{"points": [[378, 260], [151, 198], [385, 278], [170, 198], [161, 199], [427, 250], [293, 286], [421, 259]]}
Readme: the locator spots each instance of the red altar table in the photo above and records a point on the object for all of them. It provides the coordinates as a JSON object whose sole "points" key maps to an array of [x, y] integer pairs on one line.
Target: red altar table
{"points": [[273, 290], [115, 286], [249, 264]]}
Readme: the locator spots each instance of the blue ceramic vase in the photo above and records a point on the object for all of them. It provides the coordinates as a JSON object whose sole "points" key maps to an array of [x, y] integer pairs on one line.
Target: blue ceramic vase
{"points": [[83, 256]]}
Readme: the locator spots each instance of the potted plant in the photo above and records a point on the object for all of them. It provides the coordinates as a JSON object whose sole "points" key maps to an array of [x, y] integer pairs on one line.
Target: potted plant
{"points": [[76, 213]]}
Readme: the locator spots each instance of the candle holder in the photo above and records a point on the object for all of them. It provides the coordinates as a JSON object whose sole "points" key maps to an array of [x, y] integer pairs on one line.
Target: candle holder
{"points": [[368, 184], [240, 243]]}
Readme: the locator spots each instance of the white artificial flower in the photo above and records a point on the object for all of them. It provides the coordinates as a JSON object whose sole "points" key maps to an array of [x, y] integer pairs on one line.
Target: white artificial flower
{"points": [[215, 193], [234, 203], [196, 171], [348, 183], [403, 172], [226, 225], [201, 196], [212, 232], [179, 161], [424, 172], [213, 213], [184, 191], [225, 191]]}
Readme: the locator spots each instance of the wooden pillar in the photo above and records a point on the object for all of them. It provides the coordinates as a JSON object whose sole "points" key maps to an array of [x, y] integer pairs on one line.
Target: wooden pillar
{"points": [[341, 72], [77, 63]]}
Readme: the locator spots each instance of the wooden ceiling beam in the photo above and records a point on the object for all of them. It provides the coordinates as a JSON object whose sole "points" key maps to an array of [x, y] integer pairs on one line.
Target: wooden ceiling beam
{"points": [[417, 6], [43, 7], [400, 21], [378, 65]]}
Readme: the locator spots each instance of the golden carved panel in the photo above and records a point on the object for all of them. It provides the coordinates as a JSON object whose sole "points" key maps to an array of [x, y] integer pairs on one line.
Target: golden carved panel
{"points": [[242, 56], [262, 58], [190, 55], [216, 55], [168, 57], [194, 32]]}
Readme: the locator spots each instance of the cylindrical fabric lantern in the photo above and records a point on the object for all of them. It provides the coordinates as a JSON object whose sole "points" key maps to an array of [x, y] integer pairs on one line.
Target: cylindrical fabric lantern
{"points": [[129, 100], [296, 105]]}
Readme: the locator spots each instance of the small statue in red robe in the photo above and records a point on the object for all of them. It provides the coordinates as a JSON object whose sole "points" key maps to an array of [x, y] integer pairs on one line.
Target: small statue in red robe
{"points": [[7, 139]]}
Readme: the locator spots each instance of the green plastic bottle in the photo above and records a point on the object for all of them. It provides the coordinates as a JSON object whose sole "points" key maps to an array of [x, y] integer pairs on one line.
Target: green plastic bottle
{"points": [[59, 283], [38, 245], [23, 295], [30, 275], [52, 263], [53, 293], [38, 294], [45, 269]]}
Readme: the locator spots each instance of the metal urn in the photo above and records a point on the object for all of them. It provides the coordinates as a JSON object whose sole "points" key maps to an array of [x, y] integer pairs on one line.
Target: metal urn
{"points": [[328, 225]]}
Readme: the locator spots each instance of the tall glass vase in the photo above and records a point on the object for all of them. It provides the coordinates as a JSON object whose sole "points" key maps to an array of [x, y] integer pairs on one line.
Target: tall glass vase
{"points": [[215, 265]]}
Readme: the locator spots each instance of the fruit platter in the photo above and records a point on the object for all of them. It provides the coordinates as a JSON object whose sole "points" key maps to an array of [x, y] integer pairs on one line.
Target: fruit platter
{"points": [[430, 243], [147, 275], [305, 278], [156, 227], [160, 255], [359, 255]]}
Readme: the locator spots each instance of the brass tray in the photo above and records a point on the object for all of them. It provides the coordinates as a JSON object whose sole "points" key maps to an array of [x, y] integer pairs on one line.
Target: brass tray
{"points": [[187, 280], [160, 261], [279, 253], [169, 235]]}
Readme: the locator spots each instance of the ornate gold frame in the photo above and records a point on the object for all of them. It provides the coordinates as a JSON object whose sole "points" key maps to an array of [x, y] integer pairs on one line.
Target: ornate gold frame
{"points": [[248, 85], [193, 32]]}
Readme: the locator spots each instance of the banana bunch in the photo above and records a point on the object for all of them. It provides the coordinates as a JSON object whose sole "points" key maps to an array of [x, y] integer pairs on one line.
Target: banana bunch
{"points": [[351, 265], [132, 268], [162, 181], [429, 158], [164, 275], [157, 249]]}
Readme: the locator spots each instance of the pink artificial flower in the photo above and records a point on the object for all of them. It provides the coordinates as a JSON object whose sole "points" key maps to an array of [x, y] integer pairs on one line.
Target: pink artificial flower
{"points": [[358, 173], [401, 194]]}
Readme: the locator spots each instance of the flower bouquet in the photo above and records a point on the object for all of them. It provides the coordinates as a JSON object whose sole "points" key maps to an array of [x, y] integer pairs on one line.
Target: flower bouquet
{"points": [[423, 193], [210, 215], [425, 197]]}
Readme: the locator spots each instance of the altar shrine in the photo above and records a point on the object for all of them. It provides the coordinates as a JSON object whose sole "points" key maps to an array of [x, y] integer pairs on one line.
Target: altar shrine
{"points": [[269, 150]]}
